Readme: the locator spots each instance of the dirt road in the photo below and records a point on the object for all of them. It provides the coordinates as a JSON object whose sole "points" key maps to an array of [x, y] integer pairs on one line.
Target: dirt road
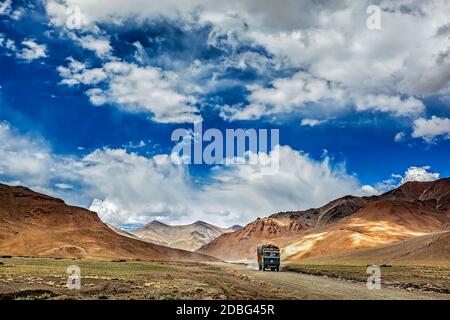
{"points": [[46, 278], [303, 286]]}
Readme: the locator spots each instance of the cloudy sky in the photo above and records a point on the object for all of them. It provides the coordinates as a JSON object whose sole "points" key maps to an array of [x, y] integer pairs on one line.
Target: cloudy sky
{"points": [[90, 92]]}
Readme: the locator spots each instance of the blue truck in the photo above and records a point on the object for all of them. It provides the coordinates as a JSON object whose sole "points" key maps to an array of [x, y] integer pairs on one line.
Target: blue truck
{"points": [[268, 257]]}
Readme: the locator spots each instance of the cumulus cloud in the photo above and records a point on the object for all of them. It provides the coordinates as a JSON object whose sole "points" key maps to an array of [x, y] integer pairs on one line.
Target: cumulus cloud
{"points": [[32, 50], [430, 129], [367, 61], [8, 44], [99, 45], [342, 61], [368, 190], [422, 174], [393, 104], [124, 187], [285, 95], [23, 157], [134, 89], [135, 189], [419, 174], [5, 7]]}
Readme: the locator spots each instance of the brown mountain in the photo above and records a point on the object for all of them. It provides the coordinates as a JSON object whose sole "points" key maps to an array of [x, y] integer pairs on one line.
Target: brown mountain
{"points": [[187, 237], [378, 223], [430, 249], [415, 209], [280, 228], [33, 224]]}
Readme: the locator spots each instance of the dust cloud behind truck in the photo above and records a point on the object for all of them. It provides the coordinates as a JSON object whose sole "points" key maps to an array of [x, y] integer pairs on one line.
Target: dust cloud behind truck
{"points": [[268, 257]]}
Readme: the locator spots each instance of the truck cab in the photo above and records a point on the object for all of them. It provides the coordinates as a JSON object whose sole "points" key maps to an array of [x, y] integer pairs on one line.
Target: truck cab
{"points": [[268, 257]]}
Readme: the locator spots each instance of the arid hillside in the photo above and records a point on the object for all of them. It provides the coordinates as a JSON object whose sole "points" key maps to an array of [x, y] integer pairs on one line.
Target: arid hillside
{"points": [[187, 237], [33, 224], [430, 249], [378, 223], [415, 209], [281, 228]]}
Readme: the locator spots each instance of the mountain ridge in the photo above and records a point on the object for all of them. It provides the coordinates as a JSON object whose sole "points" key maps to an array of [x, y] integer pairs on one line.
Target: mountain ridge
{"points": [[187, 237], [37, 225], [339, 225]]}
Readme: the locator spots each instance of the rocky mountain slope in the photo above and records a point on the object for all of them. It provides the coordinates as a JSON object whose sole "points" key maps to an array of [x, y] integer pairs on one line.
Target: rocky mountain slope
{"points": [[414, 209], [33, 224], [187, 237]]}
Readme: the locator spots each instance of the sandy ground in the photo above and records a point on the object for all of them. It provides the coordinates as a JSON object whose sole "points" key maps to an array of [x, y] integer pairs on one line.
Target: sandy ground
{"points": [[46, 278]]}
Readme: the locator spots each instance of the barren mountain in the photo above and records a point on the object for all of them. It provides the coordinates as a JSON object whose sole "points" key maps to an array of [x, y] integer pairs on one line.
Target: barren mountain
{"points": [[187, 237], [415, 209], [435, 194], [33, 224], [429, 249], [378, 223], [280, 228]]}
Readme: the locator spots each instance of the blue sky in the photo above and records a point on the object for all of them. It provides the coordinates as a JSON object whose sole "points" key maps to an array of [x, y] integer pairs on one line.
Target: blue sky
{"points": [[86, 113]]}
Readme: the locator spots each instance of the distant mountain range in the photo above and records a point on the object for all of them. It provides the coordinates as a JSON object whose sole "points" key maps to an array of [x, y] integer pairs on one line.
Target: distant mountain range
{"points": [[187, 237], [408, 224], [33, 224]]}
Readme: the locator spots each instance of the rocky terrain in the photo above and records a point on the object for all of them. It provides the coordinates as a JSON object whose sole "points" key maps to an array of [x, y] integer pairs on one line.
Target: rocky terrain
{"points": [[187, 237], [407, 216]]}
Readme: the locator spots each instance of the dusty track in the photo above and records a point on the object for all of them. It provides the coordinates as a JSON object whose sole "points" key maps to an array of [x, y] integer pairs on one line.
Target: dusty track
{"points": [[302, 286]]}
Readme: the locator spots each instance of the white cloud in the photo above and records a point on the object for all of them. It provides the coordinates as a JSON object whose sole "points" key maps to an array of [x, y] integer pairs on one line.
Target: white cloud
{"points": [[399, 137], [100, 46], [124, 187], [128, 188], [419, 174], [432, 128], [63, 186], [137, 189], [5, 7], [77, 73], [285, 95], [134, 89], [368, 191], [8, 44], [311, 122], [393, 104], [23, 157], [32, 51], [342, 61]]}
